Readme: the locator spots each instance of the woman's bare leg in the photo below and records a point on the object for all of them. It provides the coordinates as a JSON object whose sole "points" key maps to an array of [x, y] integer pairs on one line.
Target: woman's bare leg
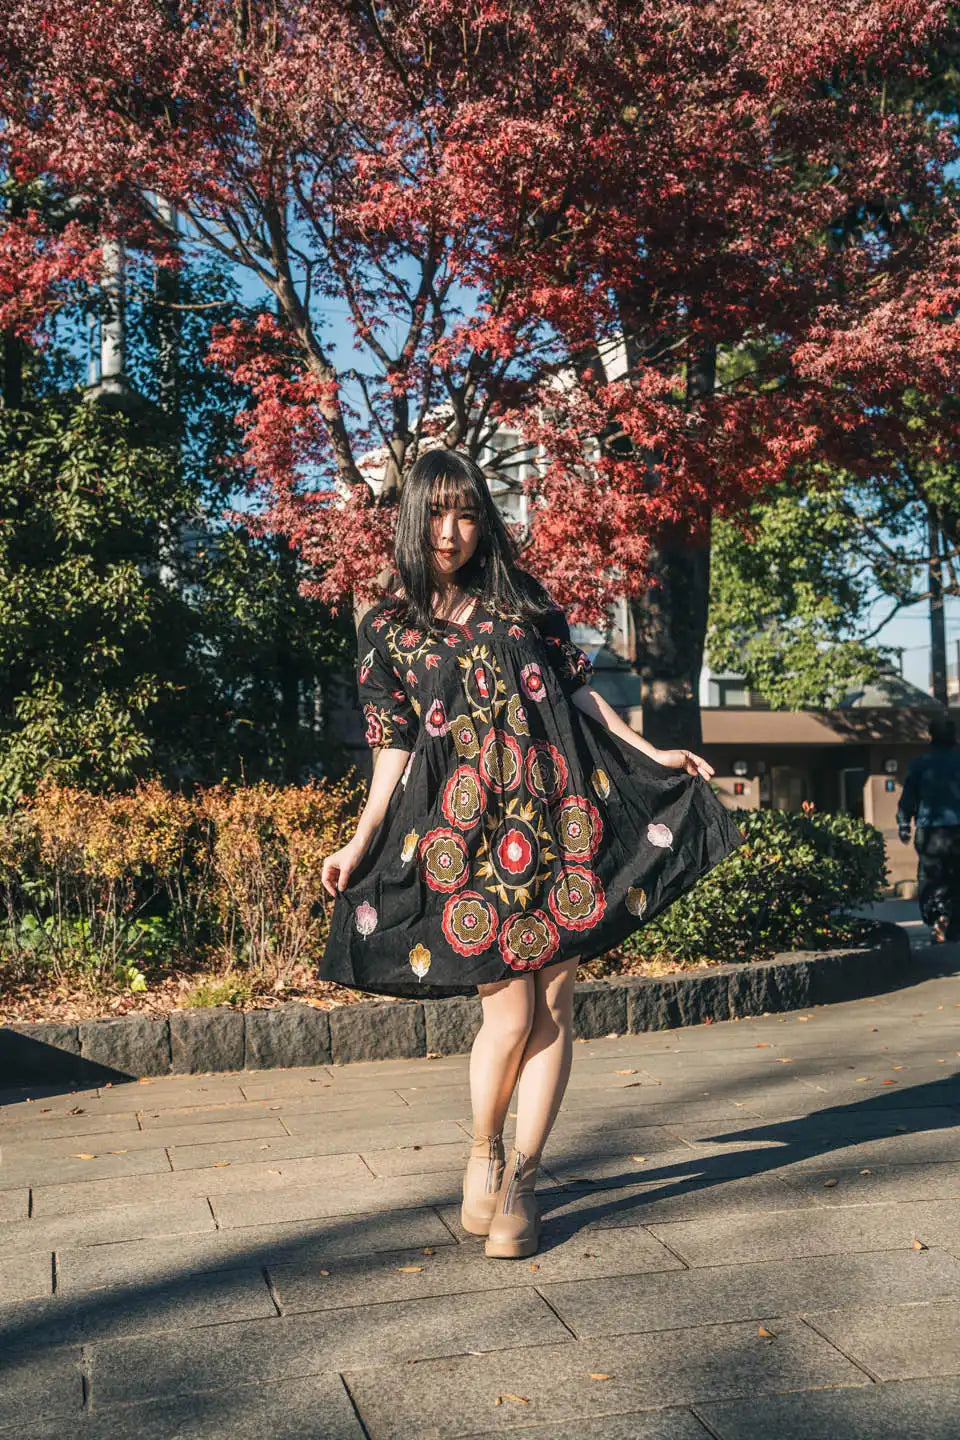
{"points": [[508, 1007], [547, 1057]]}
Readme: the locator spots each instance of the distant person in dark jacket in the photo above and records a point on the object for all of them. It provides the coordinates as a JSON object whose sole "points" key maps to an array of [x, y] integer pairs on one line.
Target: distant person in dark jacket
{"points": [[931, 798]]}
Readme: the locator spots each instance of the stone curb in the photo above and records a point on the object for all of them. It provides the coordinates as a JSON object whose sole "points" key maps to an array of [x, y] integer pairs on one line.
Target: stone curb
{"points": [[191, 1042]]}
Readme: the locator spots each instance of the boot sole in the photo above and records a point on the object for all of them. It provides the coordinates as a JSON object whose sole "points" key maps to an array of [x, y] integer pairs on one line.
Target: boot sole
{"points": [[474, 1224], [512, 1249]]}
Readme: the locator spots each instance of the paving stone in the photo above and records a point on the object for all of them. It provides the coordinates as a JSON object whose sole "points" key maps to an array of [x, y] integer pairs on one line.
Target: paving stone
{"points": [[376, 1032], [672, 1424], [291, 1202], [290, 1410], [636, 1303], [450, 1269], [436, 1399], [881, 1184], [689, 1193], [263, 1181], [38, 1385], [417, 1159], [930, 1408], [896, 1342], [43, 1128], [156, 1258], [290, 1034], [658, 1163], [747, 1238], [208, 1357], [308, 1140], [23, 1277], [192, 1126], [176, 1303], [114, 1222], [29, 1169], [14, 1204]]}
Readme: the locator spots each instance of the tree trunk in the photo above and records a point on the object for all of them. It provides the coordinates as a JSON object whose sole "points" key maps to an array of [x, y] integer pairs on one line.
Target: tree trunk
{"points": [[938, 634], [670, 620]]}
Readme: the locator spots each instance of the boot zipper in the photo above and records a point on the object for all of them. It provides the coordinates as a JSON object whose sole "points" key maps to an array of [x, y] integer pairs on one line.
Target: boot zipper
{"points": [[493, 1156], [508, 1195]]}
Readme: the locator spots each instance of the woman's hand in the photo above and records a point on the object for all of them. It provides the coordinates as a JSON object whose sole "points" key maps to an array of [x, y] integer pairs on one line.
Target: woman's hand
{"points": [[338, 867], [684, 760]]}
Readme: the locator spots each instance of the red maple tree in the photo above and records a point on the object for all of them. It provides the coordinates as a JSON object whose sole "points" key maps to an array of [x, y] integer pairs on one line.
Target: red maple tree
{"points": [[687, 250]]}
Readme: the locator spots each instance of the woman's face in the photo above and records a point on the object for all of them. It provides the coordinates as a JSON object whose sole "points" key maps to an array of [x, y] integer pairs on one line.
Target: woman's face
{"points": [[454, 535]]}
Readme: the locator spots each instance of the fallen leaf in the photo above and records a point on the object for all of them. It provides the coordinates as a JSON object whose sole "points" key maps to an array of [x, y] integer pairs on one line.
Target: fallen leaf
{"points": [[218, 1163], [640, 1159], [428, 1249], [896, 1067], [409, 1269], [784, 1059], [829, 1184], [534, 1266], [866, 1172], [624, 1072], [861, 1078], [764, 1333], [919, 1245], [117, 1152], [589, 1255], [631, 1085], [324, 1272], [802, 1019], [143, 1081], [763, 1044], [83, 1157], [77, 1110], [274, 1172], [520, 1399], [599, 1375]]}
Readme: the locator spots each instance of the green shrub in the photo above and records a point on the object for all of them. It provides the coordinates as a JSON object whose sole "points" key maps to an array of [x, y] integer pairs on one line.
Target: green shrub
{"points": [[791, 886]]}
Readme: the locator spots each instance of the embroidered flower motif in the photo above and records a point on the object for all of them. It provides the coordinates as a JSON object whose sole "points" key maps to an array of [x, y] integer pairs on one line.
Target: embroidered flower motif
{"points": [[517, 631], [465, 737], [451, 640], [528, 940], [419, 960], [432, 660], [464, 798], [531, 678], [409, 639], [374, 732], [500, 761], [411, 678], [469, 923], [579, 827], [514, 852], [546, 770], [365, 919], [435, 721], [660, 835], [444, 859], [517, 716], [485, 626], [576, 898]]}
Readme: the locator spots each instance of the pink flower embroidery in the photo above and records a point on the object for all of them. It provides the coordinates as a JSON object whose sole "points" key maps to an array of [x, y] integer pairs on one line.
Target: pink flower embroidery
{"points": [[366, 919], [660, 835]]}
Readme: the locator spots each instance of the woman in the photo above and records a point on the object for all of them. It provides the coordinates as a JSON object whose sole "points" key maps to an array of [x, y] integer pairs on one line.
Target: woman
{"points": [[514, 825], [931, 797]]}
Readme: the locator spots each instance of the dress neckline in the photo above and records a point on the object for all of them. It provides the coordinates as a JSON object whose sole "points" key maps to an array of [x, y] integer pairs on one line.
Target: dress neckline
{"points": [[460, 624]]}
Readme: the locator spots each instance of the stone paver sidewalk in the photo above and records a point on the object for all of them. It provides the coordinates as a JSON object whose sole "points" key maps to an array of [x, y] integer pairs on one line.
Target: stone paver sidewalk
{"points": [[752, 1229]]}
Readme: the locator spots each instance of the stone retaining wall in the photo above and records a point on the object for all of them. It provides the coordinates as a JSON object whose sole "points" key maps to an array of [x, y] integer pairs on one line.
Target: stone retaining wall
{"points": [[218, 1039]]}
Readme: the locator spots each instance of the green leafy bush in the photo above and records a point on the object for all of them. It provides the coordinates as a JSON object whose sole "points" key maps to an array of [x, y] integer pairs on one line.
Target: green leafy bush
{"points": [[791, 886]]}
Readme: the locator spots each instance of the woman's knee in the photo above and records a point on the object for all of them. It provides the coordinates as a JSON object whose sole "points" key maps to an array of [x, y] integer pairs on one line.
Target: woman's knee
{"points": [[508, 1009], [554, 995]]}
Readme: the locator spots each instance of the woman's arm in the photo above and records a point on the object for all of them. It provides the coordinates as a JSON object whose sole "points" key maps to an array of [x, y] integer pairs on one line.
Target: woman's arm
{"points": [[388, 766], [594, 705]]}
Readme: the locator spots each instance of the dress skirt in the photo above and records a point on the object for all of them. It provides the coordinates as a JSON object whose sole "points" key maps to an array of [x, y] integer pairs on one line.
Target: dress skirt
{"points": [[522, 832]]}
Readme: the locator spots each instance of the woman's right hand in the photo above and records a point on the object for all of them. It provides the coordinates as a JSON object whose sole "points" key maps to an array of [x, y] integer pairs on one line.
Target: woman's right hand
{"points": [[338, 867]]}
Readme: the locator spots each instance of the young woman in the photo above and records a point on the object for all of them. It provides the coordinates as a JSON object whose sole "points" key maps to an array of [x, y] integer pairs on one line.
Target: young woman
{"points": [[515, 825]]}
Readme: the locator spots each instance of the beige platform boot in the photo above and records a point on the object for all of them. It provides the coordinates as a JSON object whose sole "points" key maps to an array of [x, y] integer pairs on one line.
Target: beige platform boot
{"points": [[481, 1183], [515, 1227]]}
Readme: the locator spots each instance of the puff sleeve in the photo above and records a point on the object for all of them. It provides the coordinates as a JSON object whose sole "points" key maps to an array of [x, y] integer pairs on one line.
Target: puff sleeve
{"points": [[571, 665], [392, 720]]}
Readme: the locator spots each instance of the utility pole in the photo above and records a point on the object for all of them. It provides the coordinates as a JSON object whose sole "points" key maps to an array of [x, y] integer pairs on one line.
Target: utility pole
{"points": [[938, 632]]}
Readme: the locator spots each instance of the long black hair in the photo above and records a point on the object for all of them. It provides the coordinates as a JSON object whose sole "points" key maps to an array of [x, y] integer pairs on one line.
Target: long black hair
{"points": [[448, 478]]}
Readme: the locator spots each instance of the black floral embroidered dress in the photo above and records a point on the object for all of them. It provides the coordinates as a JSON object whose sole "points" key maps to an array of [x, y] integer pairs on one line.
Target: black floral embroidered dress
{"points": [[521, 832]]}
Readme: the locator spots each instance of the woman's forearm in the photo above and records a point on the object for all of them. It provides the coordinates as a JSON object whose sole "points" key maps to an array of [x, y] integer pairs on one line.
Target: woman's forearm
{"points": [[388, 766], [597, 708]]}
